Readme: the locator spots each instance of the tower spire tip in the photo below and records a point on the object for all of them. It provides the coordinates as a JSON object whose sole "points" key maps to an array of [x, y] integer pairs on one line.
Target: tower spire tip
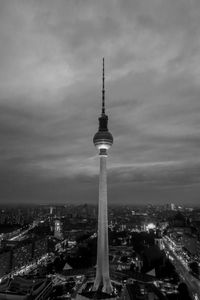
{"points": [[103, 90]]}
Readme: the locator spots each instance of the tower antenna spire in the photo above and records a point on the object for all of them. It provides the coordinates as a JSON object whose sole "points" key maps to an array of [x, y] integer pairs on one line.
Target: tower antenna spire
{"points": [[103, 91]]}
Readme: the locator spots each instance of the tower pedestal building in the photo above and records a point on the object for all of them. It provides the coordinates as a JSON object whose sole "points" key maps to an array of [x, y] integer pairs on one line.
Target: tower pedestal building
{"points": [[103, 140]]}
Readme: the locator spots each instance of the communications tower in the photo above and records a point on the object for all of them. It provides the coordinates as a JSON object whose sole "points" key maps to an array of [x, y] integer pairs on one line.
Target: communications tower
{"points": [[103, 140]]}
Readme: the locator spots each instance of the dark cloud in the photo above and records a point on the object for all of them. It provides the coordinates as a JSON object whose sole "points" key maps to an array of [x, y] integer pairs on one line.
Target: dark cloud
{"points": [[50, 92]]}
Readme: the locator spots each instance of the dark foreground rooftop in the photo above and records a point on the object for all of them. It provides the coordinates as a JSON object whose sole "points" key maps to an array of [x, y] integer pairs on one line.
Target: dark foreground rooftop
{"points": [[88, 293], [97, 295]]}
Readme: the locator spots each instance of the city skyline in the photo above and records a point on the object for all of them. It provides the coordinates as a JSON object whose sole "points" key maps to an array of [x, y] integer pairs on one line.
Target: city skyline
{"points": [[50, 95]]}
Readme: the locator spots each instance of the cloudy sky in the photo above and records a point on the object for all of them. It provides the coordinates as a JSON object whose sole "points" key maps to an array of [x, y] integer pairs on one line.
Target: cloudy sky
{"points": [[50, 92]]}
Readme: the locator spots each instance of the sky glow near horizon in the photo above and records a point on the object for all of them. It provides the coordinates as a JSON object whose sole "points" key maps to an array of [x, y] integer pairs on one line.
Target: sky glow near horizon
{"points": [[50, 94]]}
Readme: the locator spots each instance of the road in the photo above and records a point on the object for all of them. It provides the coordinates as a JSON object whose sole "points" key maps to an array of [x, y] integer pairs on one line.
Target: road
{"points": [[192, 282], [25, 270], [22, 233]]}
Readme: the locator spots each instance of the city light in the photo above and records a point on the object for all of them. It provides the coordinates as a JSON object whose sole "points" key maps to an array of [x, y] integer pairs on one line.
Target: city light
{"points": [[151, 226]]}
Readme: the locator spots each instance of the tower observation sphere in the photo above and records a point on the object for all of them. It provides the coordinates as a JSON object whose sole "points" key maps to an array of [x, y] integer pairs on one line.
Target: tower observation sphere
{"points": [[103, 139]]}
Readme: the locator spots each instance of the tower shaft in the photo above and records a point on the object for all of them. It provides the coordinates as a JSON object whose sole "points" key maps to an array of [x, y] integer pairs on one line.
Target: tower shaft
{"points": [[102, 270]]}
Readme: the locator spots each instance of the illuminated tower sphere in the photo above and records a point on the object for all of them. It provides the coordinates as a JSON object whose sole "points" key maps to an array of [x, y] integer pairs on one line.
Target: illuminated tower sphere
{"points": [[103, 140]]}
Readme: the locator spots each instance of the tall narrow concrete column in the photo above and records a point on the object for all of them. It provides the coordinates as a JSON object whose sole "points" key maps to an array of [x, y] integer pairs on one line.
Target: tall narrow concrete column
{"points": [[102, 271]]}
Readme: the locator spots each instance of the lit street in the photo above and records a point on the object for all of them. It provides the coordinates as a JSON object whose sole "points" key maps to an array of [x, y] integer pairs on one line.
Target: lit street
{"points": [[192, 283], [25, 270]]}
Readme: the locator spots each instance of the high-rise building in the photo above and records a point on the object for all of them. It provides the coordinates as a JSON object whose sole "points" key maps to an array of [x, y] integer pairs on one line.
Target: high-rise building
{"points": [[103, 140], [172, 206], [51, 210], [57, 229]]}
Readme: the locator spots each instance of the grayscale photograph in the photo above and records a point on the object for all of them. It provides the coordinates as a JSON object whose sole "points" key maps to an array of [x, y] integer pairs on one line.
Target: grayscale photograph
{"points": [[99, 149]]}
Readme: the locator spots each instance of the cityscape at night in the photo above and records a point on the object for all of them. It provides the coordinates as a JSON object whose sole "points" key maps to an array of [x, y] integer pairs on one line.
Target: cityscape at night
{"points": [[154, 250], [99, 144]]}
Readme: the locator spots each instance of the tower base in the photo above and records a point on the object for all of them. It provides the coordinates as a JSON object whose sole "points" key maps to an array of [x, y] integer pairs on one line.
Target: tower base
{"points": [[86, 292], [103, 285]]}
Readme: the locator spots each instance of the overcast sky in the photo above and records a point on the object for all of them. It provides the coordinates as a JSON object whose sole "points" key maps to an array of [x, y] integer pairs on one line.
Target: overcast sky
{"points": [[50, 93]]}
